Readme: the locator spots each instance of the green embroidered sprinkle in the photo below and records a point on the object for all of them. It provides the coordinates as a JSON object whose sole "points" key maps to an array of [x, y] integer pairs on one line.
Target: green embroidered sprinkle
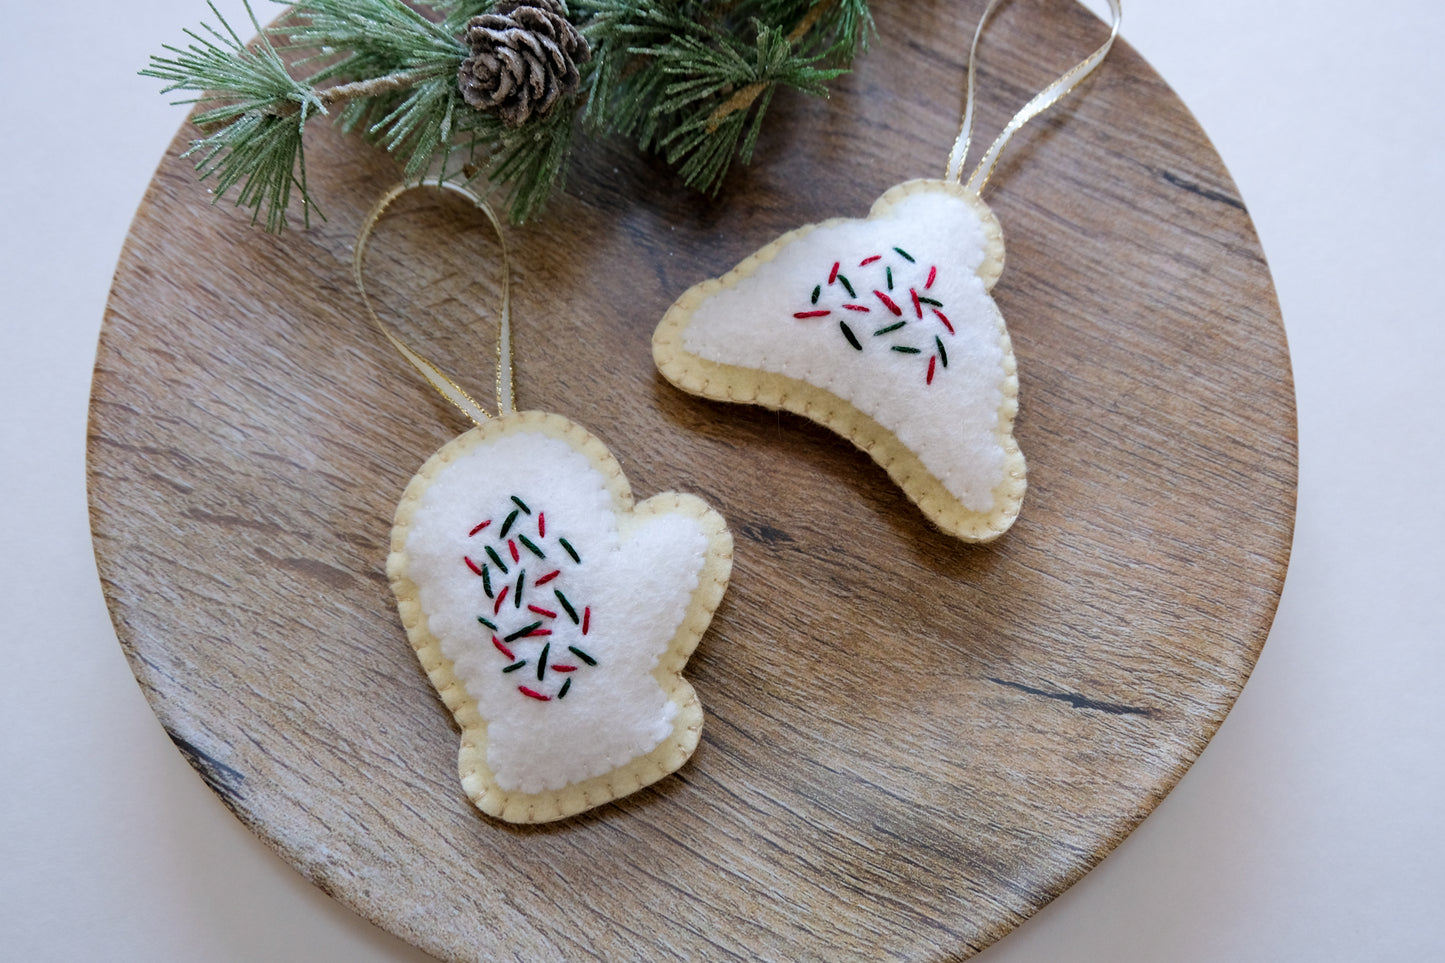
{"points": [[486, 581], [562, 692], [816, 291], [890, 278], [489, 624], [848, 333], [567, 606], [570, 550], [905, 349], [930, 302], [521, 504], [905, 255], [496, 559], [507, 525], [851, 292], [542, 661], [521, 579], [581, 655], [524, 630], [892, 327], [534, 549], [514, 666], [942, 355]]}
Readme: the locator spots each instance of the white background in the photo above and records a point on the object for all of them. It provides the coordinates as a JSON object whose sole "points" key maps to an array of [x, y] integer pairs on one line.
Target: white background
{"points": [[1309, 830]]}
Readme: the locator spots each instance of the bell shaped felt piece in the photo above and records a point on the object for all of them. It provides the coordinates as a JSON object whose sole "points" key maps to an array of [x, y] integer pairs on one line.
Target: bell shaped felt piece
{"points": [[883, 330], [553, 615]]}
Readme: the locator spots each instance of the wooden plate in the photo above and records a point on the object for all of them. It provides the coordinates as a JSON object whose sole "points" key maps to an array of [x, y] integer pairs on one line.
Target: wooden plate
{"points": [[912, 744]]}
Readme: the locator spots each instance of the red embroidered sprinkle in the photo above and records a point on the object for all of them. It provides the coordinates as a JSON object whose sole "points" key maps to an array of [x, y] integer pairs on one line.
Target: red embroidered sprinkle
{"points": [[869, 260], [479, 528], [586, 619], [500, 596], [931, 362], [932, 274], [537, 632], [888, 303], [533, 695], [548, 577], [502, 648], [563, 668], [858, 307], [916, 306], [541, 611], [516, 556], [541, 524], [476, 569], [833, 274], [811, 314], [944, 320]]}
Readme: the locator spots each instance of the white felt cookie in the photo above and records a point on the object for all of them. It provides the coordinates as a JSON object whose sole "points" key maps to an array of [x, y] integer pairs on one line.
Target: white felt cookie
{"points": [[882, 329], [553, 616]]}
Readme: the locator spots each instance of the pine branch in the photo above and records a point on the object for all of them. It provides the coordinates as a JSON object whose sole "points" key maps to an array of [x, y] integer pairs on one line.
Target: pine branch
{"points": [[625, 84], [744, 98], [691, 79], [377, 36], [530, 160], [261, 117], [373, 87], [710, 134], [413, 115], [694, 80]]}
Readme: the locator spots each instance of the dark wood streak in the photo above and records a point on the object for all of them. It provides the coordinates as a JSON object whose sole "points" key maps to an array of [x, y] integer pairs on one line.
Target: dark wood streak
{"points": [[328, 575], [1201, 190], [1076, 700], [220, 778], [766, 534], [229, 522], [863, 790]]}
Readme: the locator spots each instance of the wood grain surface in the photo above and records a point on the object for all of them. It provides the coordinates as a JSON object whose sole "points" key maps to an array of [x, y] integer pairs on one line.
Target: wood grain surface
{"points": [[911, 743]]}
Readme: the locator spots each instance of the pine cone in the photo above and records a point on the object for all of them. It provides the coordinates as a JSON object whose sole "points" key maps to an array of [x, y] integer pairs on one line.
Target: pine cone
{"points": [[524, 59]]}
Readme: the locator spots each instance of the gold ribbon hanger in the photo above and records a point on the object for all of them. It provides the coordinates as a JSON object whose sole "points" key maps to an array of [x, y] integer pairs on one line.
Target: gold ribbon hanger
{"points": [[448, 388], [1042, 101]]}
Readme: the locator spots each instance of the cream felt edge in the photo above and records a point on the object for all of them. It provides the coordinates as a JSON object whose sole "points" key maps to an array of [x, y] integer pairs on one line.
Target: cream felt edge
{"points": [[724, 382], [672, 752]]}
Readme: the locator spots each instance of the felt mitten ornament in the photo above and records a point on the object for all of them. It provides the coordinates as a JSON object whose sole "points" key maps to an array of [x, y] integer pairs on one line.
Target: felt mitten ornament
{"points": [[883, 329], [552, 613]]}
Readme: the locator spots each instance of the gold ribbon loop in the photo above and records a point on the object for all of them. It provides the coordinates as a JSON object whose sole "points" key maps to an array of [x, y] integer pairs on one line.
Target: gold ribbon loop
{"points": [[448, 388], [1045, 99]]}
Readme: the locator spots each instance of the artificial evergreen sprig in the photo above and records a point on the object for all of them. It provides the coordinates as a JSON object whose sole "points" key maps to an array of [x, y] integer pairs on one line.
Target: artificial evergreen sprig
{"points": [[691, 79], [694, 79], [256, 140]]}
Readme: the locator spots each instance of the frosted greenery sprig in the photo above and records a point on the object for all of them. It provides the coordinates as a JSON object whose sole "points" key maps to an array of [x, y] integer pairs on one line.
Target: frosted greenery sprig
{"points": [[690, 79], [693, 80]]}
